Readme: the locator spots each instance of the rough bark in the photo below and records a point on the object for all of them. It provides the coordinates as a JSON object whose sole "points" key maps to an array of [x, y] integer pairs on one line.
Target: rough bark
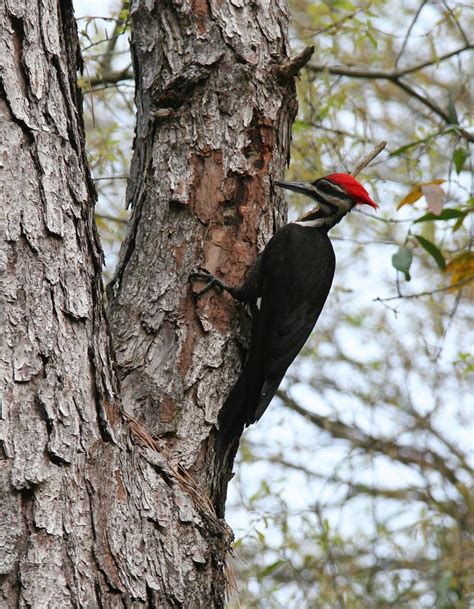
{"points": [[213, 127], [92, 515]]}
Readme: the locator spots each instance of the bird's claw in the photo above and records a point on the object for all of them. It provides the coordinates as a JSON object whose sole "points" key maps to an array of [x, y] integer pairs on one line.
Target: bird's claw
{"points": [[206, 277]]}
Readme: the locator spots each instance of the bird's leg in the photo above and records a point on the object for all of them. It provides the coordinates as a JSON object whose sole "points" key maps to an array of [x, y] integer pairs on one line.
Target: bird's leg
{"points": [[212, 282]]}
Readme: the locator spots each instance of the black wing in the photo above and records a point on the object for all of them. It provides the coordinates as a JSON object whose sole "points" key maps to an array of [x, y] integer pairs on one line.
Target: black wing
{"points": [[287, 289], [294, 279]]}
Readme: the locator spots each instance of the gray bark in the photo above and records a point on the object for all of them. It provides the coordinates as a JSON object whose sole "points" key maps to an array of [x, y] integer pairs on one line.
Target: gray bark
{"points": [[95, 511], [213, 126]]}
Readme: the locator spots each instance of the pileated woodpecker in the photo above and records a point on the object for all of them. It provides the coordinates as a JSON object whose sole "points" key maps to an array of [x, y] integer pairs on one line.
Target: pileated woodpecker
{"points": [[286, 291]]}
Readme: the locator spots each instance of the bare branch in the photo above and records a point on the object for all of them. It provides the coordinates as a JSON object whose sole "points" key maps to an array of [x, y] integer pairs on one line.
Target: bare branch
{"points": [[111, 77], [456, 22], [331, 26], [290, 68], [355, 489], [112, 218], [355, 72], [365, 160], [407, 35], [431, 62], [394, 77], [110, 178], [445, 288], [426, 460]]}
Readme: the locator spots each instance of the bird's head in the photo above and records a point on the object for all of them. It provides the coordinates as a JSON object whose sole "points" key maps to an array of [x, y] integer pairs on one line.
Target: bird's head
{"points": [[336, 194]]}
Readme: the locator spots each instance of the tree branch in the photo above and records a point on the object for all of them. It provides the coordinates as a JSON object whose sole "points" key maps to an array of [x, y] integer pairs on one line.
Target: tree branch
{"points": [[365, 160], [354, 72], [407, 35], [395, 77], [431, 62], [403, 494], [426, 460], [290, 68], [111, 77], [445, 288], [120, 25]]}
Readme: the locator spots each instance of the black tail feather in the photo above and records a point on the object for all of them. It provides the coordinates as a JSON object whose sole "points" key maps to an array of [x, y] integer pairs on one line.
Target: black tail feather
{"points": [[232, 417], [266, 396]]}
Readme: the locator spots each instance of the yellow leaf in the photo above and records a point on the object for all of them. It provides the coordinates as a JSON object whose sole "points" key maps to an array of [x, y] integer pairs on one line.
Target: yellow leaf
{"points": [[416, 193], [411, 197], [461, 268]]}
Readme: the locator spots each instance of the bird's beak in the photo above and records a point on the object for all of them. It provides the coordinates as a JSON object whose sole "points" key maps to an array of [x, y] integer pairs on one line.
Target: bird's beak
{"points": [[304, 188]]}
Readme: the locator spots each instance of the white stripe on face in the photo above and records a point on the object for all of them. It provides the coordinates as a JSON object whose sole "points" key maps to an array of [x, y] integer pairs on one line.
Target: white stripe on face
{"points": [[342, 202], [332, 186]]}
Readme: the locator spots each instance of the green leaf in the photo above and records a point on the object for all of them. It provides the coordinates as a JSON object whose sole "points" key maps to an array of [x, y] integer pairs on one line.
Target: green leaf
{"points": [[372, 39], [446, 214], [459, 158], [342, 4], [445, 585], [432, 251], [402, 149], [269, 570], [123, 15], [458, 223], [452, 114], [402, 260]]}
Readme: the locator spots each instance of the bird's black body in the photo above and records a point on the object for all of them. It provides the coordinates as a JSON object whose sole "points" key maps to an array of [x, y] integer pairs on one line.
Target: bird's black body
{"points": [[286, 291], [286, 294]]}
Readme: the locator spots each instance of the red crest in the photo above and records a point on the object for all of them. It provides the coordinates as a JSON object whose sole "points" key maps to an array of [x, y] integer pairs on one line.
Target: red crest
{"points": [[352, 187]]}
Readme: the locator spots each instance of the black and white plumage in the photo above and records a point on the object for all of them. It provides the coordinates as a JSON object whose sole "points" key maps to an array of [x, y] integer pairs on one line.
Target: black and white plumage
{"points": [[286, 291]]}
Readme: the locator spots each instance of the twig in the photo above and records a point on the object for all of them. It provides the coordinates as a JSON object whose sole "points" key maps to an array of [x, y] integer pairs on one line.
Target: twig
{"points": [[379, 219], [111, 77], [453, 17], [431, 62], [101, 178], [365, 242], [426, 460], [112, 218], [407, 35], [395, 77], [365, 160], [445, 288], [324, 30], [290, 68], [448, 324], [119, 28], [355, 72]]}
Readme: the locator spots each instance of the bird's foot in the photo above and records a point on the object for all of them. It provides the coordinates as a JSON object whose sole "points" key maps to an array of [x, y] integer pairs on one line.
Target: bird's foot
{"points": [[204, 276]]}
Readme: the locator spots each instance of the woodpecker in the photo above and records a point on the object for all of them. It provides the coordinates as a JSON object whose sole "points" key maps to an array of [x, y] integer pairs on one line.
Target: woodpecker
{"points": [[286, 291]]}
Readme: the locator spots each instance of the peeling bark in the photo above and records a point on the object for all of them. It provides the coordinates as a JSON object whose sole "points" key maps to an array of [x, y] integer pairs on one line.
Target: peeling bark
{"points": [[213, 127], [95, 511]]}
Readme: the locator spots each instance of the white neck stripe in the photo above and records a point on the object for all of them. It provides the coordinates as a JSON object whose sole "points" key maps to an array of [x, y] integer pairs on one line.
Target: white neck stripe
{"points": [[312, 223]]}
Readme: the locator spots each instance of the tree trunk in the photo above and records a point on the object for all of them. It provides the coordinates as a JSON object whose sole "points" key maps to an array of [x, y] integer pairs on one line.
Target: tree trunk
{"points": [[92, 515], [214, 121]]}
